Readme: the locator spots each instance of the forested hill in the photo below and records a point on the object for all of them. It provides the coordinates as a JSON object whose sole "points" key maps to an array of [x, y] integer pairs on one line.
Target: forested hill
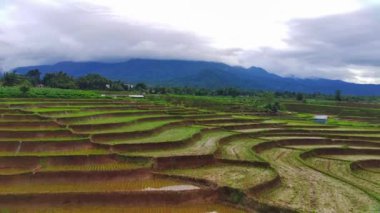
{"points": [[203, 74]]}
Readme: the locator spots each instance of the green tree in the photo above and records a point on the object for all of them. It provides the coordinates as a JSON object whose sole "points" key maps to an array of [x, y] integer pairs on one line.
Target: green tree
{"points": [[228, 92], [141, 87], [34, 77], [117, 86], [299, 97], [273, 107], [338, 95], [93, 82], [13, 79], [269, 103], [59, 80], [24, 90]]}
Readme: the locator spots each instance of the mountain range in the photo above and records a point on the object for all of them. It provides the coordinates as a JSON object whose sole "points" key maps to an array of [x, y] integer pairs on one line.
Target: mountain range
{"points": [[203, 74]]}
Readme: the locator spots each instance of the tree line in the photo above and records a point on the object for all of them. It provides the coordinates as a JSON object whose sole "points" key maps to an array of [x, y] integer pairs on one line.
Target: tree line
{"points": [[34, 78], [62, 80], [234, 92]]}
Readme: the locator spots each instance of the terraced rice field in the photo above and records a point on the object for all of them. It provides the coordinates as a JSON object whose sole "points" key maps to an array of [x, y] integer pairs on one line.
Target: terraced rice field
{"points": [[121, 155]]}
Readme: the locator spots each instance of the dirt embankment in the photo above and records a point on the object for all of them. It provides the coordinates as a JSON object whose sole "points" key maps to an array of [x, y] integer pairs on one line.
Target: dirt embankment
{"points": [[108, 108], [6, 110], [260, 164], [29, 124], [310, 141], [76, 176], [25, 161], [298, 126], [43, 146], [252, 126], [9, 146], [365, 164], [37, 134], [176, 162], [16, 163], [122, 198], [324, 135], [56, 146], [203, 116], [68, 103], [18, 117], [227, 120], [339, 151], [369, 119], [315, 131]]}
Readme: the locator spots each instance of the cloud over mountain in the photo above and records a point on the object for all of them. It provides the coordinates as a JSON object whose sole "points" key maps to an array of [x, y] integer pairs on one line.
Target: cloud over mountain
{"points": [[49, 32], [343, 46]]}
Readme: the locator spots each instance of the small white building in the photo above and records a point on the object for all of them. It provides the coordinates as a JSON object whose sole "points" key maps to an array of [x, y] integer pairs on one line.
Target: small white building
{"points": [[136, 96], [128, 86], [322, 119]]}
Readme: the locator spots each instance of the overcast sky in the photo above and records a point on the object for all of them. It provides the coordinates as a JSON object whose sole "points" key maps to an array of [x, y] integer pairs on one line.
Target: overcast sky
{"points": [[335, 39]]}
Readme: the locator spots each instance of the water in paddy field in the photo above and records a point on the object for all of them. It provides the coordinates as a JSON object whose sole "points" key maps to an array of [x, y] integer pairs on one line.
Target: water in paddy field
{"points": [[173, 188], [185, 208], [91, 185]]}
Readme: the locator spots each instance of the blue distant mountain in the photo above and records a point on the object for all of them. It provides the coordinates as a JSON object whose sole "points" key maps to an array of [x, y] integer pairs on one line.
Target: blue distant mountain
{"points": [[204, 75]]}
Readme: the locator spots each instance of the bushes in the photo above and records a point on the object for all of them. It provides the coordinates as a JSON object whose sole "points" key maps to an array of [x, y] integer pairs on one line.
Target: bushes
{"points": [[14, 79], [93, 82], [63, 80], [14, 92], [24, 90], [59, 80]]}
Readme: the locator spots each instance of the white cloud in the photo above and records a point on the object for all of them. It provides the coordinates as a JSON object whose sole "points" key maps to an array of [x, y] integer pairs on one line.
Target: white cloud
{"points": [[228, 23], [344, 46], [293, 37], [36, 32]]}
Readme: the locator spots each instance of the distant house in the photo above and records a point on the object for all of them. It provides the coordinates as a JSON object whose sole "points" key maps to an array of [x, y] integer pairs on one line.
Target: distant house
{"points": [[128, 86], [322, 119], [136, 96]]}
